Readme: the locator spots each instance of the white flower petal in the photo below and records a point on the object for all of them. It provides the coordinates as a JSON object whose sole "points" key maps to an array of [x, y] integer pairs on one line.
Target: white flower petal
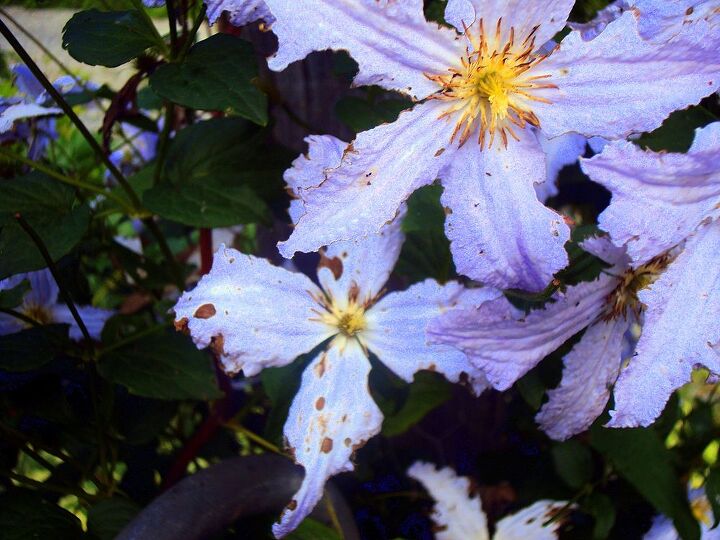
{"points": [[681, 330], [256, 314], [396, 330], [664, 20], [458, 515], [391, 41], [331, 416], [604, 84], [240, 12], [22, 111], [379, 171], [527, 524], [591, 368]]}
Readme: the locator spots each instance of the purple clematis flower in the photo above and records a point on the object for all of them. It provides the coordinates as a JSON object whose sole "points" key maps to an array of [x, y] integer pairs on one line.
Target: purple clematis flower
{"points": [[458, 513], [484, 91], [258, 315], [663, 529], [240, 12], [40, 304]]}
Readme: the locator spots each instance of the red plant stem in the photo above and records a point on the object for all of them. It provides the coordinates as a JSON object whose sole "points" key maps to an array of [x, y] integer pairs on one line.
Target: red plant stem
{"points": [[206, 251]]}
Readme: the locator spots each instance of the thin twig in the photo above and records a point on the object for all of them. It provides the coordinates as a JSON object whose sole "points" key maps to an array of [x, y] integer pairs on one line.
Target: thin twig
{"points": [[20, 316]]}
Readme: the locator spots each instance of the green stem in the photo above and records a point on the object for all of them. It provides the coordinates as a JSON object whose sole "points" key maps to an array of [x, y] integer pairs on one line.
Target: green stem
{"points": [[55, 274], [189, 40], [66, 179], [172, 23], [164, 141]]}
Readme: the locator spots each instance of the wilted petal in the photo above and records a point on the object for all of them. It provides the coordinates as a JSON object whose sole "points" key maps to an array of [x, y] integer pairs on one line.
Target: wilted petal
{"points": [[559, 153], [604, 249], [240, 12], [257, 315], [391, 41], [396, 330], [522, 15], [658, 199], [500, 233], [94, 319], [379, 171], [681, 330], [605, 16], [505, 342], [331, 416], [604, 84], [361, 267], [528, 523], [22, 111], [591, 368], [457, 514]]}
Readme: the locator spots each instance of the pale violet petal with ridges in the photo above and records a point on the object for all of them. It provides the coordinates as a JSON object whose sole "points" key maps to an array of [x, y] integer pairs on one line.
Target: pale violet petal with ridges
{"points": [[522, 15], [603, 248], [529, 523], [240, 12], [379, 171], [391, 41], [396, 330], [603, 84], [93, 318], [43, 288], [681, 330], [591, 368], [331, 416], [658, 199], [256, 314], [500, 233], [664, 20], [457, 514], [506, 343], [361, 267]]}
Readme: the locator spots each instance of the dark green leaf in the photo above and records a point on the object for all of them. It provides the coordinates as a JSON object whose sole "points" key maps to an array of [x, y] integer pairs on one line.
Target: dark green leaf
{"points": [[427, 391], [641, 458], [11, 298], [32, 348], [25, 515], [107, 518], [310, 529], [573, 463], [362, 114], [532, 389], [213, 174], [216, 75], [712, 491], [107, 38], [162, 366], [678, 131], [600, 507], [50, 208]]}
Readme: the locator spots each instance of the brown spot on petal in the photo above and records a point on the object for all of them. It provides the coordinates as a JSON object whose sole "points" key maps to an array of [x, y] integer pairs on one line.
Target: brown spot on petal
{"points": [[182, 325], [439, 152], [432, 367], [320, 367], [347, 442], [326, 445], [335, 265], [217, 344], [320, 403], [205, 311], [292, 505]]}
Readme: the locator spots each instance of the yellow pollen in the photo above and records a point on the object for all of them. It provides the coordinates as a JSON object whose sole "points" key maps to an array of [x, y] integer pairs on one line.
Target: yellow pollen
{"points": [[349, 319], [493, 90], [39, 314], [625, 296]]}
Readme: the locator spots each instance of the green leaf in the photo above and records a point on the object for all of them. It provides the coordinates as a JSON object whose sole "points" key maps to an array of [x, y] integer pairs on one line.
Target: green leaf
{"points": [[362, 114], [50, 208], [25, 515], [712, 491], [32, 348], [213, 174], [107, 518], [641, 458], [310, 529], [107, 38], [11, 298], [162, 366], [573, 463], [600, 507], [216, 75], [427, 391], [678, 131]]}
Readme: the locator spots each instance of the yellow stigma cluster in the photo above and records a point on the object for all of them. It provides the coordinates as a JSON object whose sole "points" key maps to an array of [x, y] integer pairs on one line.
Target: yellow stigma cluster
{"points": [[39, 314], [494, 87], [348, 317], [624, 297]]}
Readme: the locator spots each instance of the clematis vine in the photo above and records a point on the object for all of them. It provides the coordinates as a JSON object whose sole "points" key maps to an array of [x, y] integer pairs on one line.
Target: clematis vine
{"points": [[458, 513], [40, 304], [256, 315], [484, 91]]}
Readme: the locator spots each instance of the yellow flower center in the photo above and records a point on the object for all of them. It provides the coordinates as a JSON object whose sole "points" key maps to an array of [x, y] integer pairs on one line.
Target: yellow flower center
{"points": [[625, 296], [347, 317], [493, 90], [39, 314]]}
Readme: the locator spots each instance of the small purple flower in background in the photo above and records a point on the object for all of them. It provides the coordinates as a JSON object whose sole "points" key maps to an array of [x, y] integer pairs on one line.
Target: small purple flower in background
{"points": [[493, 86], [663, 528], [40, 304], [256, 315], [240, 12], [458, 513]]}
